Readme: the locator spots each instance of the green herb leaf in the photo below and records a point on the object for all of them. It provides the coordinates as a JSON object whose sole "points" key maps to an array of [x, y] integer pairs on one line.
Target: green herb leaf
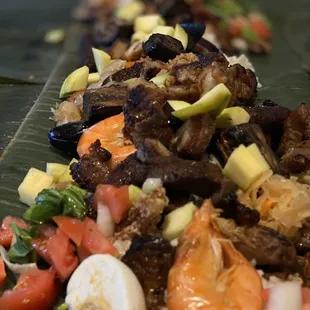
{"points": [[74, 202], [248, 34], [20, 251]]}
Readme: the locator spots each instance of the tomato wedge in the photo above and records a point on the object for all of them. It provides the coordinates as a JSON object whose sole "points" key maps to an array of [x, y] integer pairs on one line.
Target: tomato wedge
{"points": [[61, 254], [94, 241], [72, 227], [6, 233], [2, 273], [116, 199], [34, 290]]}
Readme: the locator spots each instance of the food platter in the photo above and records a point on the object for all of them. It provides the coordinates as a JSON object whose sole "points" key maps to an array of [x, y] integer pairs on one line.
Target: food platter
{"points": [[287, 86]]}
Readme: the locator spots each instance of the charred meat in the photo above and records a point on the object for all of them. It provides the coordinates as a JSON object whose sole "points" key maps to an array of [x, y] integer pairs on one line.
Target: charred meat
{"points": [[162, 47], [91, 169], [297, 159], [151, 258], [145, 117], [265, 245], [246, 134], [296, 129], [101, 103], [193, 138], [302, 237]]}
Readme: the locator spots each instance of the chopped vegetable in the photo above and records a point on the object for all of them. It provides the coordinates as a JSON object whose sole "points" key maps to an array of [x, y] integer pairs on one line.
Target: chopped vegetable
{"points": [[54, 36], [245, 165], [55, 170], [93, 78], [2, 273], [94, 241], [75, 81], [52, 202], [178, 104], [147, 23], [181, 35], [134, 192], [62, 255], [176, 221], [6, 232], [160, 79], [130, 11], [72, 227], [63, 307], [66, 176], [34, 182], [138, 36], [105, 220], [215, 100], [20, 251], [151, 184], [116, 199], [36, 289], [102, 59], [231, 117], [166, 30]]}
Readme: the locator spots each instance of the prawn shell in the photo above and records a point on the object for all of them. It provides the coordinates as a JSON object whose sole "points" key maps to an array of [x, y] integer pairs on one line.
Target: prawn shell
{"points": [[66, 137]]}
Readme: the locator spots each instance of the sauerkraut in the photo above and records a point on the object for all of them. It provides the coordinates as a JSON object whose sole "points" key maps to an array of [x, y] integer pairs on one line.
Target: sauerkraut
{"points": [[287, 201]]}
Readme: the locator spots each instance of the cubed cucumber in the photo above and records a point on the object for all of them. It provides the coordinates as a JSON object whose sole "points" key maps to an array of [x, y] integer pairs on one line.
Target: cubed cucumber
{"points": [[177, 220], [34, 182], [66, 176], [55, 170], [93, 78], [147, 23], [215, 100], [181, 35], [259, 158], [178, 104], [244, 166], [75, 81], [134, 192], [165, 30], [231, 117], [160, 79], [102, 59], [130, 11]]}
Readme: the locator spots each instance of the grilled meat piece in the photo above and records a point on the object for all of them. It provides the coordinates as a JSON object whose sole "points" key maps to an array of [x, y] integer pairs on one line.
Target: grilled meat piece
{"points": [[144, 216], [91, 169], [134, 52], [302, 237], [261, 243], [303, 268], [186, 93], [151, 148], [271, 119], [296, 128], [205, 47], [103, 102], [201, 178], [246, 134], [162, 47], [144, 115], [150, 258], [297, 159], [226, 200], [193, 138], [118, 49]]}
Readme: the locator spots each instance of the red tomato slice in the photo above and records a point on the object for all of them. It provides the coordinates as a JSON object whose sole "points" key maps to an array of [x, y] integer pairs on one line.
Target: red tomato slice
{"points": [[44, 232], [236, 25], [6, 233], [94, 241], [62, 255], [34, 290], [72, 227], [261, 29], [2, 273], [116, 199]]}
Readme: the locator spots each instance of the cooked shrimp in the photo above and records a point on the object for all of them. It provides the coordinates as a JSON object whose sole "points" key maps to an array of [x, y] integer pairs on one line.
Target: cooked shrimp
{"points": [[209, 273], [109, 132]]}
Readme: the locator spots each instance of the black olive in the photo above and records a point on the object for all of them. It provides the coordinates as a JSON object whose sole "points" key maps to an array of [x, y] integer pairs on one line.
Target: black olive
{"points": [[194, 32]]}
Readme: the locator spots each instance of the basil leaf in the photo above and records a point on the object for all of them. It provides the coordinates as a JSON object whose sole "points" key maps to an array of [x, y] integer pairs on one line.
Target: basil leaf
{"points": [[74, 202]]}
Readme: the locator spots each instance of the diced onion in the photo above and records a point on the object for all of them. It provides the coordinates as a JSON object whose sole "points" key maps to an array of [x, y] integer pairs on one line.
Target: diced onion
{"points": [[104, 220], [17, 268], [151, 184], [285, 296]]}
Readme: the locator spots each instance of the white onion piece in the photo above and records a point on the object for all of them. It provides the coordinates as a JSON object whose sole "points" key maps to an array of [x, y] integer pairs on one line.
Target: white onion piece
{"points": [[285, 296], [104, 220], [151, 184], [17, 268], [113, 67]]}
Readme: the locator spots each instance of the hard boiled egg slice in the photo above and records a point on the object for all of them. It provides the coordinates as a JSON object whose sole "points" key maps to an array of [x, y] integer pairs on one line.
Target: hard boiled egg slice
{"points": [[104, 282]]}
